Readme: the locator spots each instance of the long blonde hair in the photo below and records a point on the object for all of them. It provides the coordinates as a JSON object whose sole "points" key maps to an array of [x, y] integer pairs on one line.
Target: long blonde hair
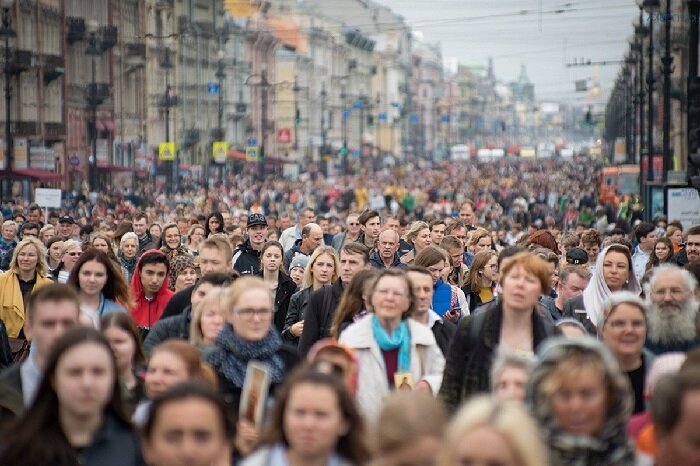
{"points": [[308, 278], [213, 299], [508, 418]]}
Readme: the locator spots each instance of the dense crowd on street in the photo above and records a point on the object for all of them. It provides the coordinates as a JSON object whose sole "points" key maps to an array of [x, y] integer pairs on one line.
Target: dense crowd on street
{"points": [[495, 314]]}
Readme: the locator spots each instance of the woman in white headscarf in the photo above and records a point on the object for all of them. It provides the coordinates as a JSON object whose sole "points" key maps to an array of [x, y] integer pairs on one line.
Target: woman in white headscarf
{"points": [[613, 272]]}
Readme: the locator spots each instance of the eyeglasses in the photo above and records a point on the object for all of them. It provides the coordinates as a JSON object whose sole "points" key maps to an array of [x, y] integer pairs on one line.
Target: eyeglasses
{"points": [[249, 313], [73, 254]]}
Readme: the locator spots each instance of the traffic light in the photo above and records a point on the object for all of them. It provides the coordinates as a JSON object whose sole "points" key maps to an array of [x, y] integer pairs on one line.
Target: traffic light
{"points": [[297, 116], [694, 132], [370, 120], [343, 151]]}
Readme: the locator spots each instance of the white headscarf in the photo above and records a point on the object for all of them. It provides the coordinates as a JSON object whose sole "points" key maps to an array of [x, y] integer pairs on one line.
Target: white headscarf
{"points": [[597, 291]]}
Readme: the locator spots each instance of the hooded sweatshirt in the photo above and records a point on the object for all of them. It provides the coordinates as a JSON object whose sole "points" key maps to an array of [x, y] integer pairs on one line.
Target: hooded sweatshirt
{"points": [[147, 312]]}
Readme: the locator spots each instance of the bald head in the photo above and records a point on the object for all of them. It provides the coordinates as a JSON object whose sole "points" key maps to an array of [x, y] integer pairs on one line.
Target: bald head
{"points": [[311, 237]]}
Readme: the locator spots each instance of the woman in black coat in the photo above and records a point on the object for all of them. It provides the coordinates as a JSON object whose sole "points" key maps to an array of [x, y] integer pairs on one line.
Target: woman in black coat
{"points": [[283, 287]]}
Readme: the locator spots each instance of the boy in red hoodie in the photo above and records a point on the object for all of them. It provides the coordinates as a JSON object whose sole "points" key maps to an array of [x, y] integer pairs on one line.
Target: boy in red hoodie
{"points": [[149, 286]]}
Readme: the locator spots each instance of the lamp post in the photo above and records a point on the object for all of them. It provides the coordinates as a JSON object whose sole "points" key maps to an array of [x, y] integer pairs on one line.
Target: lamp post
{"points": [[93, 50], [667, 62], [220, 76], [7, 32], [169, 100], [297, 113], [650, 6], [344, 150]]}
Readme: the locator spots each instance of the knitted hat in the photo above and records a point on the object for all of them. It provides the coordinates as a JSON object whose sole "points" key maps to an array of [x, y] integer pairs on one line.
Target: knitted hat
{"points": [[299, 260]]}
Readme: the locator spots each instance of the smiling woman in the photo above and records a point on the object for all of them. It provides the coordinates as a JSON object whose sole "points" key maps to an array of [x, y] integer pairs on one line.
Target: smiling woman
{"points": [[28, 271]]}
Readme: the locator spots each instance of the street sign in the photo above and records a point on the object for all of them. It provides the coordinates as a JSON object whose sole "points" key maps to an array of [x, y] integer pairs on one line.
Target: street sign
{"points": [[252, 142], [413, 118], [284, 136], [219, 151], [347, 114], [252, 153], [74, 160], [45, 197], [166, 151], [683, 204], [358, 104], [383, 116], [213, 88]]}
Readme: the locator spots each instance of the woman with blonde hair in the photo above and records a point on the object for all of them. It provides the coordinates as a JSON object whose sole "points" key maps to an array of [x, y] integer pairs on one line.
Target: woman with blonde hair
{"points": [[208, 320], [323, 269], [70, 253], [27, 272], [488, 431], [409, 430], [418, 237], [195, 235], [478, 240]]}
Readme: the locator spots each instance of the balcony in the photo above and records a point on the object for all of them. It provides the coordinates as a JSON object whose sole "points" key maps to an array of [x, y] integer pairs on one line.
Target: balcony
{"points": [[108, 35], [54, 131], [22, 61], [97, 93], [53, 68], [25, 128], [76, 29], [135, 56], [191, 136]]}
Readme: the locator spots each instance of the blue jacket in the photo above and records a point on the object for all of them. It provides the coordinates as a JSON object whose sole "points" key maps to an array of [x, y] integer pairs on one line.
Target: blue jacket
{"points": [[108, 306]]}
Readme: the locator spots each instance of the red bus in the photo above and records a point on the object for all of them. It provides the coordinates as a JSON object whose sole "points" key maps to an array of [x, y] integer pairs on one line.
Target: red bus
{"points": [[619, 180]]}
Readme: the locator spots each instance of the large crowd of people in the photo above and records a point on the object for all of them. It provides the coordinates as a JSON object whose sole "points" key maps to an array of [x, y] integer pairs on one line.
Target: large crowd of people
{"points": [[497, 315]]}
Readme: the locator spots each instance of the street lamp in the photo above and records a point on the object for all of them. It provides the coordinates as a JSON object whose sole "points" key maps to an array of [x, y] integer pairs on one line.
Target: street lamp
{"points": [[264, 85], [7, 32], [651, 7], [667, 62], [221, 75], [93, 50], [168, 101]]}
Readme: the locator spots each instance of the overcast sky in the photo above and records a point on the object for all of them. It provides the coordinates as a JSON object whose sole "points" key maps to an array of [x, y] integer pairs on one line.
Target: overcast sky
{"points": [[513, 32]]}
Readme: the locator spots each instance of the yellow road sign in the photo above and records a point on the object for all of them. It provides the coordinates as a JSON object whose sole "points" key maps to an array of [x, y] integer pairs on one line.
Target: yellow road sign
{"points": [[252, 153], [219, 151], [166, 151]]}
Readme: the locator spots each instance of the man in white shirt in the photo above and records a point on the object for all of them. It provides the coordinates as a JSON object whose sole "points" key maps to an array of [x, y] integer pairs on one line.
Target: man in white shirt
{"points": [[646, 237], [293, 233]]}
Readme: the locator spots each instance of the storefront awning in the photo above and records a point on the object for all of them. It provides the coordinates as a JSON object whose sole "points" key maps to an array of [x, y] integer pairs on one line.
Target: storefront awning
{"points": [[235, 154], [34, 174]]}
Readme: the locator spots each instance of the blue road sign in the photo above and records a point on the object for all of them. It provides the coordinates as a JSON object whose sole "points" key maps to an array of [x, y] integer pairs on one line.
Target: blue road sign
{"points": [[347, 114], [213, 88], [383, 116], [358, 104], [413, 118], [252, 142]]}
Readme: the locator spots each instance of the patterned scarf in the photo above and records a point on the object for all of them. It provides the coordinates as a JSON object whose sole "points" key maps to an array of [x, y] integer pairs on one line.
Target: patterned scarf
{"points": [[128, 264], [401, 339], [232, 355]]}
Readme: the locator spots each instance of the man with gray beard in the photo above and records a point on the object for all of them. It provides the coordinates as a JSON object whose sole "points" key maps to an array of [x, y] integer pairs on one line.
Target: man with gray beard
{"points": [[673, 309]]}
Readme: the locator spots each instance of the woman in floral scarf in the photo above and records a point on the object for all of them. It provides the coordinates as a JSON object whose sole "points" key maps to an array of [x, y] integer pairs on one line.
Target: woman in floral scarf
{"points": [[582, 402]]}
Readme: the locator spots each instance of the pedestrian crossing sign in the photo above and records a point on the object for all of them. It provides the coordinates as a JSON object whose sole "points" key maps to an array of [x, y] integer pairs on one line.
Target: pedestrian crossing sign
{"points": [[219, 151], [252, 153], [166, 151]]}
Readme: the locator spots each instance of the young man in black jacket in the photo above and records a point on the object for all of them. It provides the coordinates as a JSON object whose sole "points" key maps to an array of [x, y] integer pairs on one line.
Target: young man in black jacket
{"points": [[422, 284]]}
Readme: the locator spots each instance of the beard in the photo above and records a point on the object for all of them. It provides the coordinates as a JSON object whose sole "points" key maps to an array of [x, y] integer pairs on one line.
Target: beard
{"points": [[673, 323]]}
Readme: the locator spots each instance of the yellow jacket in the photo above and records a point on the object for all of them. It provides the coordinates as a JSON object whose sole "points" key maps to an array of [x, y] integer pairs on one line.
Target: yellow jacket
{"points": [[11, 302]]}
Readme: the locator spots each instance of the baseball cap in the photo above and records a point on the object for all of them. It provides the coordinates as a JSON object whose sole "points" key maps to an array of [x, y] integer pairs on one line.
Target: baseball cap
{"points": [[299, 260], [66, 219], [576, 256], [256, 219]]}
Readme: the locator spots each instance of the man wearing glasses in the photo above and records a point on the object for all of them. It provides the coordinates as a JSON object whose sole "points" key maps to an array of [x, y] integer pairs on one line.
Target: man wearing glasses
{"points": [[351, 233]]}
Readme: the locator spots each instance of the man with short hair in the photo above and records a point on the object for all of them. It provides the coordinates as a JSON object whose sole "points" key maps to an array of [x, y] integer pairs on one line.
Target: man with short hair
{"points": [[150, 288], [323, 302], [437, 230], [675, 413], [466, 214], [140, 227], [422, 284], [351, 233], [51, 310], [392, 223], [35, 215], [325, 224], [214, 255], [691, 252], [29, 230], [370, 226], [572, 282], [672, 310], [385, 255], [246, 260], [311, 238], [646, 237], [65, 226], [291, 235], [455, 248], [183, 226]]}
